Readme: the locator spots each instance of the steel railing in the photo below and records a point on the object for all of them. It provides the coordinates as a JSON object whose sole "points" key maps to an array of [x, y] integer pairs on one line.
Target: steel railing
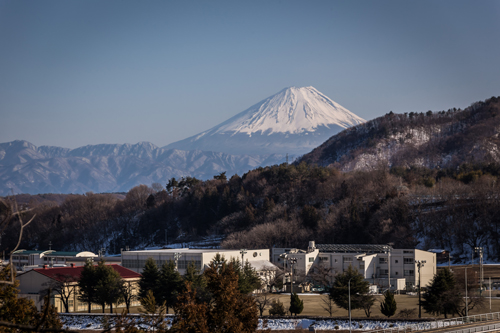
{"points": [[441, 323]]}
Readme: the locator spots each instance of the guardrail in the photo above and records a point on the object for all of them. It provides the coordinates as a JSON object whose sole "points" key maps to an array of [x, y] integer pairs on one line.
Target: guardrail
{"points": [[485, 328], [442, 323]]}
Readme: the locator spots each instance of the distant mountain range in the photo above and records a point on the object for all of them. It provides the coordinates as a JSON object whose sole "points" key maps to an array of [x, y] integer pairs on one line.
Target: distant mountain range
{"points": [[26, 168], [293, 121], [441, 139]]}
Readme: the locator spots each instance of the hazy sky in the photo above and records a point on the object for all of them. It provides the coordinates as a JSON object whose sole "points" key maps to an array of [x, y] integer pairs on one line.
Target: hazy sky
{"points": [[74, 73]]}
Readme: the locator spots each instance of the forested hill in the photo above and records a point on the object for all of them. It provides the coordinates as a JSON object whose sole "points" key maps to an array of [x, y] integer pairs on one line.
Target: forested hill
{"points": [[432, 139], [281, 206]]}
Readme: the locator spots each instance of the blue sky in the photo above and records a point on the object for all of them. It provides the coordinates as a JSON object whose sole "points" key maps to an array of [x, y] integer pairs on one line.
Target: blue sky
{"points": [[74, 73]]}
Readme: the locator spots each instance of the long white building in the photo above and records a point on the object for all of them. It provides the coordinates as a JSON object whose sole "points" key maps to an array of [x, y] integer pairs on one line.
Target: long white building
{"points": [[376, 262], [258, 259]]}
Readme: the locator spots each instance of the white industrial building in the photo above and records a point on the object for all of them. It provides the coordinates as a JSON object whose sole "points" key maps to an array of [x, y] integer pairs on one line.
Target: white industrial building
{"points": [[258, 259], [375, 262]]}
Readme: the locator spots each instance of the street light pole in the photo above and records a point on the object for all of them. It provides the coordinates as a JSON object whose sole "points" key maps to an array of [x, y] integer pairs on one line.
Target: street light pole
{"points": [[349, 291], [420, 263]]}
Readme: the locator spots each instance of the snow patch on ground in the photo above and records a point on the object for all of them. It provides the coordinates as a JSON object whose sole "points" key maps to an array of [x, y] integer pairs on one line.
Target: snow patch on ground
{"points": [[98, 322]]}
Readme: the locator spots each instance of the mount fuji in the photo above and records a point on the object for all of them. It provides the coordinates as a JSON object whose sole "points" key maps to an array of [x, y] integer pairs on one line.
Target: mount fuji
{"points": [[295, 120]]}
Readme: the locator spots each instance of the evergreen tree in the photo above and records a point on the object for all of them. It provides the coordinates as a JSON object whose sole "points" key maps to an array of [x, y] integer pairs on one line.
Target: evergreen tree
{"points": [[109, 285], [87, 283], [388, 306], [248, 280], [277, 309], [197, 281], [228, 310], [150, 279], [339, 292], [296, 304], [442, 296], [170, 286]]}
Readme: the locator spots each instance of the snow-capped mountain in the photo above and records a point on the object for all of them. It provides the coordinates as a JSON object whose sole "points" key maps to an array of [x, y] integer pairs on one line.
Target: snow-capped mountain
{"points": [[26, 168], [295, 120]]}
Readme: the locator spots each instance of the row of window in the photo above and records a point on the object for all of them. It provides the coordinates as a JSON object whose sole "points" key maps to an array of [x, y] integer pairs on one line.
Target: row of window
{"points": [[405, 261], [407, 272], [138, 263]]}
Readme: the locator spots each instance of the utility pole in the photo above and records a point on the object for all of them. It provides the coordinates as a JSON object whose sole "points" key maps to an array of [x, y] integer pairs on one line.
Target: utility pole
{"points": [[243, 252], [166, 237], [466, 300], [420, 263], [284, 257], [479, 249], [292, 261], [490, 293], [177, 256], [388, 251], [349, 291]]}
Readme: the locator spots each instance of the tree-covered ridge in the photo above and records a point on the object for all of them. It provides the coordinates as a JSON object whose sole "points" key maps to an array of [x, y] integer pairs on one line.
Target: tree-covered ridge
{"points": [[444, 138], [282, 206]]}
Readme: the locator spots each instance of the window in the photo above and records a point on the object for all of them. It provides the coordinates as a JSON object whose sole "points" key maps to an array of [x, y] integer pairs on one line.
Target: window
{"points": [[406, 251], [382, 260], [323, 258], [335, 260], [395, 261], [384, 272], [408, 260], [347, 259], [311, 259], [409, 272], [362, 265]]}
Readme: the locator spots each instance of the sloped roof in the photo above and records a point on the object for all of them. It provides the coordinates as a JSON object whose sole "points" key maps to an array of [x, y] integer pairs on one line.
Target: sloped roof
{"points": [[57, 273]]}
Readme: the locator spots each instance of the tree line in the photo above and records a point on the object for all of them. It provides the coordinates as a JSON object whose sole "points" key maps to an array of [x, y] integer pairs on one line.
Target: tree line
{"points": [[282, 206]]}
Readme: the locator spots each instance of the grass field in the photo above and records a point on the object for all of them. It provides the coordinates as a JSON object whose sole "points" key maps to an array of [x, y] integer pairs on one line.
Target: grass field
{"points": [[313, 306]]}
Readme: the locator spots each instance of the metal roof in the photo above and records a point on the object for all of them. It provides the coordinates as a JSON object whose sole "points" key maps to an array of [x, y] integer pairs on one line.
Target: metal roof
{"points": [[27, 252], [353, 248]]}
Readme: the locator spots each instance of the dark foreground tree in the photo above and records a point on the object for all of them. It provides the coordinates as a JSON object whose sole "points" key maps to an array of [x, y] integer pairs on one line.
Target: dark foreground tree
{"points": [[388, 306], [87, 283], [228, 309], [248, 280], [109, 285], [296, 304], [149, 279], [442, 296], [16, 312], [359, 288], [277, 308], [170, 285]]}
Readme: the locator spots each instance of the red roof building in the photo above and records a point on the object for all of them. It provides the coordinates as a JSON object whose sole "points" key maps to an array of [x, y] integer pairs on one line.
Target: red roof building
{"points": [[35, 282]]}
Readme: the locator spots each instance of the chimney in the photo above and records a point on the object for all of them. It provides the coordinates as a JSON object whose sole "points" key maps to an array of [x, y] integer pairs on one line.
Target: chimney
{"points": [[72, 264], [44, 266]]}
